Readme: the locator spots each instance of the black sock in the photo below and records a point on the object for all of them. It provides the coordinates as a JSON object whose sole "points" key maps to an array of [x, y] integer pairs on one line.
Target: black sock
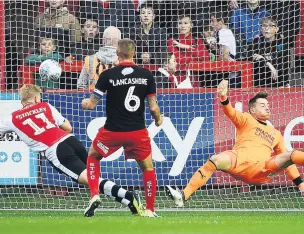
{"points": [[297, 181]]}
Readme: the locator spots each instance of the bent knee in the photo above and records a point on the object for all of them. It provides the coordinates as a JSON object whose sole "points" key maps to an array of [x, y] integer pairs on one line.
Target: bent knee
{"points": [[216, 160], [221, 161], [147, 164], [94, 153]]}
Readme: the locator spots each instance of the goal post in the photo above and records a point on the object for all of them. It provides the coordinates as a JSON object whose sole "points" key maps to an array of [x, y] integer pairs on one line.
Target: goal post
{"points": [[2, 46], [194, 128]]}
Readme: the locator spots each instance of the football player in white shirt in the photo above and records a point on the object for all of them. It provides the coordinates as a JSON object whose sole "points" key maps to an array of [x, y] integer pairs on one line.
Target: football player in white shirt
{"points": [[44, 130]]}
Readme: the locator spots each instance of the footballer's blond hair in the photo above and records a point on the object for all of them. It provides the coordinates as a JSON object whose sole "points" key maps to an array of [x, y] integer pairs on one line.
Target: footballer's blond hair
{"points": [[29, 91], [126, 49]]}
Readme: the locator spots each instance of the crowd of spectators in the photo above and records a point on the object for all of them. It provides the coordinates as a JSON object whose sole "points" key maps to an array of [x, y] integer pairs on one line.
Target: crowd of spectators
{"points": [[168, 34]]}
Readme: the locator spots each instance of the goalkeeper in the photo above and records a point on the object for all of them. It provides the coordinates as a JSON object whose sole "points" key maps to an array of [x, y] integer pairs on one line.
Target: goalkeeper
{"points": [[250, 159]]}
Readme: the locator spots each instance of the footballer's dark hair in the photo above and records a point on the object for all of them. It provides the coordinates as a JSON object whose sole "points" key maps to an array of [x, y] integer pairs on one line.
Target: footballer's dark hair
{"points": [[253, 100]]}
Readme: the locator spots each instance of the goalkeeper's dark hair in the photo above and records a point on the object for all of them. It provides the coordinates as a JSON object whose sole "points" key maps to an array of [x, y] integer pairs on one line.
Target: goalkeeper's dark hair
{"points": [[253, 100]]}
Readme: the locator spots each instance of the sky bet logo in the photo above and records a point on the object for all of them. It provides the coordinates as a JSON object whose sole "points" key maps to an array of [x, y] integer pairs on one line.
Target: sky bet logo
{"points": [[182, 146], [16, 157]]}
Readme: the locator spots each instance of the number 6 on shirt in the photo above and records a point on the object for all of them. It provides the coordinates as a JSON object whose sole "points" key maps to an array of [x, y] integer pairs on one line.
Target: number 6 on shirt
{"points": [[130, 97]]}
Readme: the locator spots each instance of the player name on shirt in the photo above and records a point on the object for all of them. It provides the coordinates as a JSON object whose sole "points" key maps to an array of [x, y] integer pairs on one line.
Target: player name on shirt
{"points": [[127, 86], [31, 112], [128, 81]]}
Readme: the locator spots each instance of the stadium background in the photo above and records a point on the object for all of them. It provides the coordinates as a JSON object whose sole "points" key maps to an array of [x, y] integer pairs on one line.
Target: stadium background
{"points": [[28, 181]]}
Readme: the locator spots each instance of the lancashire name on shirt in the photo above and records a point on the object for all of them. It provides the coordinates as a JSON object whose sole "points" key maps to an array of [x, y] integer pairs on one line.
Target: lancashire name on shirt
{"points": [[31, 112], [128, 81]]}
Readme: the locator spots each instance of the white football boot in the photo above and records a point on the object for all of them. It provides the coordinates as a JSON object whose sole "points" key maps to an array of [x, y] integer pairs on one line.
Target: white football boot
{"points": [[176, 195], [150, 214]]}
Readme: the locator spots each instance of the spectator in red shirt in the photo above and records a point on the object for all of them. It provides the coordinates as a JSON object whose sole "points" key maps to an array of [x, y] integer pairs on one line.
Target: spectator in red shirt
{"points": [[185, 47]]}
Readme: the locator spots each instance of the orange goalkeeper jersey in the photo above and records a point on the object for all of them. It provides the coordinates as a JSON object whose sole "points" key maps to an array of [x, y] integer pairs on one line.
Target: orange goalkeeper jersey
{"points": [[255, 140]]}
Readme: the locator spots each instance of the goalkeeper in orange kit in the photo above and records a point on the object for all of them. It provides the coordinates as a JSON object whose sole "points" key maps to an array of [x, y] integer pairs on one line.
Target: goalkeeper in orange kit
{"points": [[250, 159]]}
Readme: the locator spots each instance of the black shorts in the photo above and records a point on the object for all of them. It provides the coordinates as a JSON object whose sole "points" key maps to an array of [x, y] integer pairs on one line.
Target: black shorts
{"points": [[68, 156]]}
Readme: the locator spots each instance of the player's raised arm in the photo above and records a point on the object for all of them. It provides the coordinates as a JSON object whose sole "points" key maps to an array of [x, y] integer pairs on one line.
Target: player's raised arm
{"points": [[238, 118]]}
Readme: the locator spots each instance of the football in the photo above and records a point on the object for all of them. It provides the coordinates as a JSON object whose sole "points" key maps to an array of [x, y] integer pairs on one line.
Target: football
{"points": [[50, 70]]}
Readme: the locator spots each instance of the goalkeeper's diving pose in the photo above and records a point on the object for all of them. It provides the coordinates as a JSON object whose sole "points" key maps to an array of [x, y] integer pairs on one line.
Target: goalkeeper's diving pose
{"points": [[251, 158]]}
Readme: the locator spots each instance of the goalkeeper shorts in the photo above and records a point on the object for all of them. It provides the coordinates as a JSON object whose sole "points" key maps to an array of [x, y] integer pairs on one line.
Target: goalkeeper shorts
{"points": [[251, 172]]}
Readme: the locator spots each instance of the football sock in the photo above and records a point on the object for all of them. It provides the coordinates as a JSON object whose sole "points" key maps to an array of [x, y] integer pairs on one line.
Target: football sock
{"points": [[200, 178], [93, 174], [111, 189], [297, 157], [122, 201], [149, 180], [293, 174]]}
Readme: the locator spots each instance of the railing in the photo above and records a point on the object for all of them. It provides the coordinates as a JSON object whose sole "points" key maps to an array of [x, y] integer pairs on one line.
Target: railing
{"points": [[27, 73]]}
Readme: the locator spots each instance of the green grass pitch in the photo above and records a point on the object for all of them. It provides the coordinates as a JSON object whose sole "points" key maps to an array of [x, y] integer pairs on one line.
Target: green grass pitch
{"points": [[228, 222]]}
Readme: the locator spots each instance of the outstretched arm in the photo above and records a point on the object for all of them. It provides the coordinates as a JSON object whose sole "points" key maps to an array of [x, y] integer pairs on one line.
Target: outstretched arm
{"points": [[238, 118]]}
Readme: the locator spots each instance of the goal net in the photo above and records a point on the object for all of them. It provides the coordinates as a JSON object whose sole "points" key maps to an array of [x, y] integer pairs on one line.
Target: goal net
{"points": [[256, 50]]}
